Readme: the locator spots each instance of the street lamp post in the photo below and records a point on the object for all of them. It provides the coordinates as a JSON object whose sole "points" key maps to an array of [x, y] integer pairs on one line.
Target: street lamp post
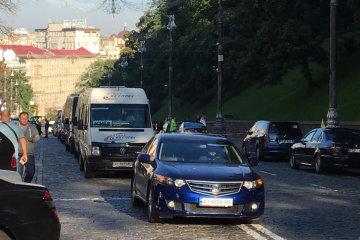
{"points": [[332, 115], [141, 49], [16, 98], [219, 126], [11, 91], [123, 65], [171, 25]]}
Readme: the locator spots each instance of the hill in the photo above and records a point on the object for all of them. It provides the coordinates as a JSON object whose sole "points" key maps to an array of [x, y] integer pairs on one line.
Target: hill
{"points": [[291, 100]]}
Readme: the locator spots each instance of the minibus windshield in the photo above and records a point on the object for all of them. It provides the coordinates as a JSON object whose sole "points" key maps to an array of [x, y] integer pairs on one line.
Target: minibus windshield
{"points": [[120, 115]]}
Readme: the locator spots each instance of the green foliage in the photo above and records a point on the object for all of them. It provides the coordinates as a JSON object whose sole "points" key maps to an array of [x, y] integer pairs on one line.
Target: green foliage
{"points": [[18, 92], [97, 75]]}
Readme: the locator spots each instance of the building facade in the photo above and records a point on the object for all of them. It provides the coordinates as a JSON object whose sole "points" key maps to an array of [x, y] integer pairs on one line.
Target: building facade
{"points": [[52, 74], [69, 35]]}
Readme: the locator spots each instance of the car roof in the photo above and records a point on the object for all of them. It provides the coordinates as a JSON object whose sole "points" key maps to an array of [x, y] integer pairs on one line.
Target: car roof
{"points": [[183, 136]]}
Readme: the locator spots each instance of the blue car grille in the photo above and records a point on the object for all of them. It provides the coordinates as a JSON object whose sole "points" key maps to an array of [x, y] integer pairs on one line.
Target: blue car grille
{"points": [[214, 188]]}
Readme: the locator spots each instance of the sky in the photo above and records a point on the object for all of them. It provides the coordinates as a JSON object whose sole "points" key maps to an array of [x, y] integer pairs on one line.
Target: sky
{"points": [[36, 14]]}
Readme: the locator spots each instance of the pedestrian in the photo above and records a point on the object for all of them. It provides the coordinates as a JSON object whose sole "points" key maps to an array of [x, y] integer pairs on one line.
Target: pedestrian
{"points": [[14, 133], [203, 118], [46, 127], [32, 136], [38, 126], [173, 125], [197, 119]]}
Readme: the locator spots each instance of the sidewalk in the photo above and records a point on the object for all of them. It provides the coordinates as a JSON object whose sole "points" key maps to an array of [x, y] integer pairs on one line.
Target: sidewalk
{"points": [[39, 155]]}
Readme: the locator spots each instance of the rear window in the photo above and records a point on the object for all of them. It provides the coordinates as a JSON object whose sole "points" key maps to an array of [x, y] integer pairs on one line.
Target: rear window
{"points": [[193, 125], [287, 130], [199, 151], [343, 135]]}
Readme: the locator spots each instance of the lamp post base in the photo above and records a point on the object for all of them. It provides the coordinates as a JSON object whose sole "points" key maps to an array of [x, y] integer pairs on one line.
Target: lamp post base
{"points": [[332, 118], [219, 126]]}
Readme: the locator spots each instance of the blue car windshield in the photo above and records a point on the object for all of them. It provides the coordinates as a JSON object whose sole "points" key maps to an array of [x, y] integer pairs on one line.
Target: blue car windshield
{"points": [[201, 152]]}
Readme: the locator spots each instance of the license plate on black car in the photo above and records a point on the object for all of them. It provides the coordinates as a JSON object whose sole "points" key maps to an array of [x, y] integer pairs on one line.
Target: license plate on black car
{"points": [[354, 150]]}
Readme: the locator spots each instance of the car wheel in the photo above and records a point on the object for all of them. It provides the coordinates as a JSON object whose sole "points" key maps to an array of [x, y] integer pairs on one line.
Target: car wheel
{"points": [[4, 236], [153, 215], [293, 163], [87, 172], [134, 199], [319, 164], [259, 153], [81, 163], [249, 220]]}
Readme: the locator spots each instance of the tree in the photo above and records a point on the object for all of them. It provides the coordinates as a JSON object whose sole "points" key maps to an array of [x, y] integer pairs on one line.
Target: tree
{"points": [[19, 94], [6, 7]]}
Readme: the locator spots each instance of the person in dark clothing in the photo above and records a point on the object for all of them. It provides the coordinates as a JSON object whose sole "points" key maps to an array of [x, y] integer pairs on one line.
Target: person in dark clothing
{"points": [[38, 126], [46, 127]]}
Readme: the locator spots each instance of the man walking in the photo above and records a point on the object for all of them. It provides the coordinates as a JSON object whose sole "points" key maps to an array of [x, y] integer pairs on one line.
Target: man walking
{"points": [[32, 136], [46, 127]]}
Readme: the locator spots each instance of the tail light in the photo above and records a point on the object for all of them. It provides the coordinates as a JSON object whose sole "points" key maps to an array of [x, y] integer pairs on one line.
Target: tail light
{"points": [[266, 139], [49, 201], [335, 150]]}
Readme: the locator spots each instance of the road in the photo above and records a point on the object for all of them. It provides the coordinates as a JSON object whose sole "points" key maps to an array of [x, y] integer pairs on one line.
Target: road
{"points": [[299, 204]]}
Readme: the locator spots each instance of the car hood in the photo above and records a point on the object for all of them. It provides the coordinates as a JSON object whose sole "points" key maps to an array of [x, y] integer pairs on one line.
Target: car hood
{"points": [[205, 172]]}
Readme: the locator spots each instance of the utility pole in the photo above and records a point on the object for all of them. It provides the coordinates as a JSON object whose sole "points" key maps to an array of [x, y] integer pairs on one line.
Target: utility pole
{"points": [[332, 115]]}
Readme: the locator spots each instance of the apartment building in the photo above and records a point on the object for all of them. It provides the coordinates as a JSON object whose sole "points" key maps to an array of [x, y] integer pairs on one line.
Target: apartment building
{"points": [[52, 73], [68, 35]]}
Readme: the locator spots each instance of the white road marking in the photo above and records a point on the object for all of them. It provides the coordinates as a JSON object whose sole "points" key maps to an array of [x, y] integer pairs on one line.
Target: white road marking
{"points": [[322, 187], [267, 232], [90, 199], [251, 232], [272, 174]]}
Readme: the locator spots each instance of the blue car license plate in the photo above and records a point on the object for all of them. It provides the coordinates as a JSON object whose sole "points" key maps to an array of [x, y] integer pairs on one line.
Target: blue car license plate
{"points": [[216, 202]]}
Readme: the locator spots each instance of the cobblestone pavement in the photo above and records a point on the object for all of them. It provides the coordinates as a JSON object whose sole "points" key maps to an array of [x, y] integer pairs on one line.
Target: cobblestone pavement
{"points": [[100, 208]]}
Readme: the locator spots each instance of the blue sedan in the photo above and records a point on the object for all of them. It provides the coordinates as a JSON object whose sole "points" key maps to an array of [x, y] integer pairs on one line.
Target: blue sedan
{"points": [[196, 176]]}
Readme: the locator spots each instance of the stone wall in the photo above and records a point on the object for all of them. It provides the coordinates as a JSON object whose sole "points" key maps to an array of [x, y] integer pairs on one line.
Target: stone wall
{"points": [[238, 128]]}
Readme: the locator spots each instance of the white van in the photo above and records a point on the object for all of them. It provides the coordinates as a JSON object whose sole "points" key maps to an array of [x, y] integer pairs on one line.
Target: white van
{"points": [[113, 123]]}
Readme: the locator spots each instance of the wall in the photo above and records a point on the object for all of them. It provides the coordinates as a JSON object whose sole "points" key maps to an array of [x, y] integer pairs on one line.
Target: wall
{"points": [[238, 128]]}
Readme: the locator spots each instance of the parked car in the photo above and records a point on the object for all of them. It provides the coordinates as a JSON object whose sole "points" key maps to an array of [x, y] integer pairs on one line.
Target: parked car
{"points": [[191, 175], [27, 211], [271, 139], [323, 148], [194, 127]]}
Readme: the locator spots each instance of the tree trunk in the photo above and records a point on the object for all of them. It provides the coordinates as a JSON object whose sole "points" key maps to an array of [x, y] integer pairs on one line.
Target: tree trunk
{"points": [[306, 72]]}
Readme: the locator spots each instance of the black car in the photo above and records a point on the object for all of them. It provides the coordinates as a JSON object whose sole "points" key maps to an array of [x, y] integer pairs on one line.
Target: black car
{"points": [[194, 127], [327, 147], [271, 139], [27, 211]]}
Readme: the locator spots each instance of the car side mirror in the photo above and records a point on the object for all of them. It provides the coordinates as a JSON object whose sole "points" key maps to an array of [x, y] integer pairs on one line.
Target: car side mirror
{"points": [[253, 161], [144, 158]]}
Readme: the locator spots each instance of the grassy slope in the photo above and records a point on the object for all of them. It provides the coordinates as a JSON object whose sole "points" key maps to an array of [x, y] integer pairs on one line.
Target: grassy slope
{"points": [[289, 101]]}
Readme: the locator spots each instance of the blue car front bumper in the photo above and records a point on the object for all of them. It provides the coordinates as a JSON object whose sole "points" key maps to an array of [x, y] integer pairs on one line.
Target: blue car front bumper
{"points": [[185, 203]]}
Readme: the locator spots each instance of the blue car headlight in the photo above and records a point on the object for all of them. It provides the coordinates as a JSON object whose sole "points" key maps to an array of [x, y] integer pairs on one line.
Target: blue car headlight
{"points": [[169, 181], [251, 185]]}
